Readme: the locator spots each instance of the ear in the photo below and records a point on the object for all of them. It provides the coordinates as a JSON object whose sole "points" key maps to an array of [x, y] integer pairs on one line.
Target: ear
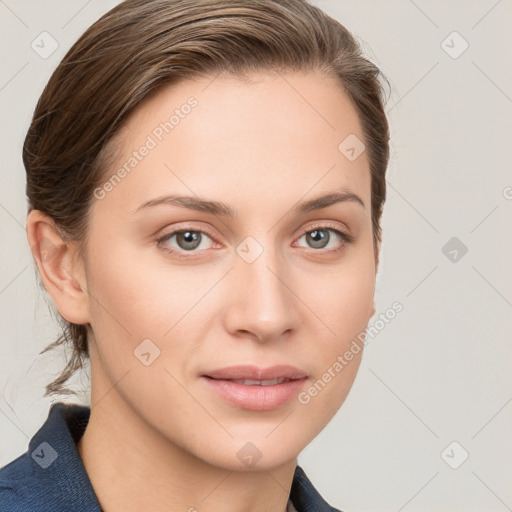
{"points": [[60, 267]]}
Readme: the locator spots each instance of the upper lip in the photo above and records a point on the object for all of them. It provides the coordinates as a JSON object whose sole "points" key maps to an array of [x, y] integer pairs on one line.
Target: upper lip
{"points": [[255, 373]]}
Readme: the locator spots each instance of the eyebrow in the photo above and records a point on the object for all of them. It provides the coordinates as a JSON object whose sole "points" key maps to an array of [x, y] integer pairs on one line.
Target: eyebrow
{"points": [[220, 209]]}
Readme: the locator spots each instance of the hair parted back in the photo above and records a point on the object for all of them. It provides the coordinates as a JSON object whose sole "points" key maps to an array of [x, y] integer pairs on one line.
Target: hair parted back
{"points": [[140, 45]]}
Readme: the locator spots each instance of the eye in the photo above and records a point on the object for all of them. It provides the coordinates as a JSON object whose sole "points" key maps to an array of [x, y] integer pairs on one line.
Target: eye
{"points": [[319, 237], [187, 240]]}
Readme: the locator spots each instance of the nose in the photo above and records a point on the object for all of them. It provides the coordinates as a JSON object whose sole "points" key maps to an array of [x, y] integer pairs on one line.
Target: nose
{"points": [[262, 302]]}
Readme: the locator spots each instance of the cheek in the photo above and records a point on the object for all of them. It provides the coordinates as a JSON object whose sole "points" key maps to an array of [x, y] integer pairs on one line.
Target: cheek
{"points": [[341, 300], [137, 296], [342, 307]]}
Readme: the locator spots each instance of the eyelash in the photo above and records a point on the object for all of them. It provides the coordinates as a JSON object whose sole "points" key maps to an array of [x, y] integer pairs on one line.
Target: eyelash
{"points": [[344, 237]]}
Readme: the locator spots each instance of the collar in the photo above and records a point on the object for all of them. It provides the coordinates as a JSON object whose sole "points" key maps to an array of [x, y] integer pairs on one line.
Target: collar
{"points": [[51, 475]]}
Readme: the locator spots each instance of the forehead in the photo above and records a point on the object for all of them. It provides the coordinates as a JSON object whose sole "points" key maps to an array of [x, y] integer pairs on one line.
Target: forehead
{"points": [[278, 134]]}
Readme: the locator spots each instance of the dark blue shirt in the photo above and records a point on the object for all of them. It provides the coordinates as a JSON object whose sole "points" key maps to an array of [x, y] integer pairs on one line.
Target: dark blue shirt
{"points": [[50, 476]]}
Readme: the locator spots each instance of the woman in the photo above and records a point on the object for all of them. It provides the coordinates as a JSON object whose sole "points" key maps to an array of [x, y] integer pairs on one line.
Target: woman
{"points": [[206, 180]]}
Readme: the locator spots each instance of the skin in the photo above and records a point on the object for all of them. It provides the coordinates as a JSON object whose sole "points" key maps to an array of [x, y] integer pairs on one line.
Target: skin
{"points": [[158, 427]]}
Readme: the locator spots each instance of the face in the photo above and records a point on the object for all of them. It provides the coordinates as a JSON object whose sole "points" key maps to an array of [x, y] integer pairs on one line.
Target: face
{"points": [[245, 270]]}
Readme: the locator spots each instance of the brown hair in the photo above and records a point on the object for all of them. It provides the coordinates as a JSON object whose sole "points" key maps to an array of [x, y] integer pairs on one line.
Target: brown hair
{"points": [[140, 45]]}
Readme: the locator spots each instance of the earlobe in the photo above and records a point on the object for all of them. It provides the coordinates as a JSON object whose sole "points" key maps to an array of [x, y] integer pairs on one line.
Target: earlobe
{"points": [[62, 275]]}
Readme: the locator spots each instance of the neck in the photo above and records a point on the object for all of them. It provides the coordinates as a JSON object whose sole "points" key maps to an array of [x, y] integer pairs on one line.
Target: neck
{"points": [[134, 468]]}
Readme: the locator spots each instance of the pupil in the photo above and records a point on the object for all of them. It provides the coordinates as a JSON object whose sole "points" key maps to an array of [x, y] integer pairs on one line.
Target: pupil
{"points": [[319, 238], [188, 239]]}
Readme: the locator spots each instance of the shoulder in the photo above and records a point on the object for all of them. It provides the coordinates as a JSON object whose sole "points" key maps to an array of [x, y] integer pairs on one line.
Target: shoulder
{"points": [[20, 490], [50, 475]]}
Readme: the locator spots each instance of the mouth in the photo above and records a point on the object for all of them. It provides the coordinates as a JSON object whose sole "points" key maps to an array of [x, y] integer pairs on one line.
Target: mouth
{"points": [[257, 389], [254, 373], [251, 382]]}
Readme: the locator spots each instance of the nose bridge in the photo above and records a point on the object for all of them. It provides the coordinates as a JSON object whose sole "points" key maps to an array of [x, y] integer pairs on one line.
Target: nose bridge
{"points": [[262, 303]]}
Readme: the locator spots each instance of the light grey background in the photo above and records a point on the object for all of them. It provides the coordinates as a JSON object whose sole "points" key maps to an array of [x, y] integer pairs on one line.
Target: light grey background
{"points": [[440, 371]]}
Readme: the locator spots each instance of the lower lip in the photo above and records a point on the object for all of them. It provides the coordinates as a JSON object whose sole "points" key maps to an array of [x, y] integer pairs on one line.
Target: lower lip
{"points": [[255, 398]]}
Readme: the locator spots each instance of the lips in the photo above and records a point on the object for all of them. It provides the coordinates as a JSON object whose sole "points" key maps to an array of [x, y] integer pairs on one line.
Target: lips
{"points": [[251, 382], [247, 372], [257, 389]]}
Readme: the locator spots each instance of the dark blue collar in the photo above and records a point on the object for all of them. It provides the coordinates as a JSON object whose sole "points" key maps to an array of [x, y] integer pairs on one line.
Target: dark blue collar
{"points": [[51, 475]]}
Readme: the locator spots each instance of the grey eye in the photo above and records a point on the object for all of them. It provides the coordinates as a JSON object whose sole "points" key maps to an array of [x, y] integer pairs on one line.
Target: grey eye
{"points": [[187, 240], [318, 238]]}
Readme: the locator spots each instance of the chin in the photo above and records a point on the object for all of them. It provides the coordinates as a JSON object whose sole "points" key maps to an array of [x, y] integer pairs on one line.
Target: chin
{"points": [[252, 456]]}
